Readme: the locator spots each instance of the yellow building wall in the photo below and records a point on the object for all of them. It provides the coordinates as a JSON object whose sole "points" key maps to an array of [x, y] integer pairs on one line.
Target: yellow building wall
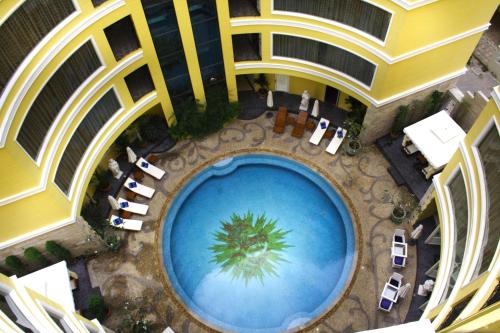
{"points": [[483, 285], [45, 206], [424, 46], [315, 89]]}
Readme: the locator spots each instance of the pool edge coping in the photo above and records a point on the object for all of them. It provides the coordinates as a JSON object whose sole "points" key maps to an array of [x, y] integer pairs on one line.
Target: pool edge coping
{"points": [[358, 252]]}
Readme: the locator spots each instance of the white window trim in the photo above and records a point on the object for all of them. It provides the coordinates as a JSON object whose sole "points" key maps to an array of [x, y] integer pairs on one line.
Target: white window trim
{"points": [[92, 143], [18, 95], [347, 27], [67, 104], [323, 67]]}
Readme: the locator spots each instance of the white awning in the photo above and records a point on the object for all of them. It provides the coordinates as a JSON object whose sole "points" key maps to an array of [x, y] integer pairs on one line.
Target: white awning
{"points": [[421, 326], [437, 137], [53, 283]]}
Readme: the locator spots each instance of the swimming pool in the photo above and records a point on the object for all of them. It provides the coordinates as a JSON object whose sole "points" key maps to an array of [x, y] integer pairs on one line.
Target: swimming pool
{"points": [[258, 243]]}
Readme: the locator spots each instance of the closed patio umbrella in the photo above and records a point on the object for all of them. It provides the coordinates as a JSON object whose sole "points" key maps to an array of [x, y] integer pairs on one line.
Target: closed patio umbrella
{"points": [[417, 232], [315, 110], [270, 101], [113, 202], [403, 291], [132, 157]]}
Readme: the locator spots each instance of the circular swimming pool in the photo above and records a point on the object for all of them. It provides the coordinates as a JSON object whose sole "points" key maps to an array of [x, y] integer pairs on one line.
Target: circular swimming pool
{"points": [[258, 243]]}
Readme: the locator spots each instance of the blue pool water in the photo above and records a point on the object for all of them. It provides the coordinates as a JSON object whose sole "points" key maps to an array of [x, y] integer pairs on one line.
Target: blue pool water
{"points": [[303, 283]]}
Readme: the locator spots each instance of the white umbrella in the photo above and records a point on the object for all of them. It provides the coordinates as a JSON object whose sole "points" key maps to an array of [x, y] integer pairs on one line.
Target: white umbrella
{"points": [[404, 290], [315, 110], [270, 101], [415, 234], [132, 157], [113, 202]]}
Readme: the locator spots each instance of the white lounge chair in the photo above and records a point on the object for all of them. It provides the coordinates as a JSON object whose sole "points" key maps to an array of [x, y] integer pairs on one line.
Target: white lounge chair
{"points": [[320, 131], [149, 168], [388, 298], [399, 253], [139, 188], [399, 236], [133, 207], [127, 224], [396, 280], [385, 304], [337, 139]]}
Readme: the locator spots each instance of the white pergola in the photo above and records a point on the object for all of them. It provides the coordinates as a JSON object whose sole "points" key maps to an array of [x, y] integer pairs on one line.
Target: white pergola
{"points": [[437, 137]]}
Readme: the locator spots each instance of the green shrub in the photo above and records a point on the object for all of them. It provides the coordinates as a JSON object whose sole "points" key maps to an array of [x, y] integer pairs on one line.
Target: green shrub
{"points": [[98, 308], [15, 265], [152, 127], [436, 102], [57, 251], [113, 242], [192, 122], [35, 257], [400, 121], [101, 179], [92, 215]]}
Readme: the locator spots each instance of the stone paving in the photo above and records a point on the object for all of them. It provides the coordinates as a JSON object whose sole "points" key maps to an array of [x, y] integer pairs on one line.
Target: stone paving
{"points": [[133, 280]]}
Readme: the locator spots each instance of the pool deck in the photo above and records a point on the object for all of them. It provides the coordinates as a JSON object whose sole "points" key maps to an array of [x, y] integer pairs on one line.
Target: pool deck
{"points": [[135, 275]]}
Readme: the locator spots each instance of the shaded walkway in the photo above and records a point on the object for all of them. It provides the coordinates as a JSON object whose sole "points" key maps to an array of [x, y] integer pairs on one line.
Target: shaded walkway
{"points": [[253, 105], [403, 167]]}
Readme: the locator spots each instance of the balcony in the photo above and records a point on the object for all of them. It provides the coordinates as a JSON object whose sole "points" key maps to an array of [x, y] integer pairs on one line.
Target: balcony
{"points": [[239, 8], [246, 47]]}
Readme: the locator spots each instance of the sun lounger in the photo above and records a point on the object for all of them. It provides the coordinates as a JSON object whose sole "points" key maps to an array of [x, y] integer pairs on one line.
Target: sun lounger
{"points": [[385, 304], [338, 137], [388, 298], [319, 132], [140, 189], [396, 280], [398, 262], [149, 168], [399, 236], [300, 124], [127, 224], [280, 122], [133, 207]]}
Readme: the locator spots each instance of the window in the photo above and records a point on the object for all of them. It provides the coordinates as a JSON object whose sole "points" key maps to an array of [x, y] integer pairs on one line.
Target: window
{"points": [[325, 55], [455, 312], [203, 14], [25, 28], [122, 37], [139, 82], [47, 105], [246, 47], [8, 307], [358, 14], [91, 124], [458, 195], [57, 319], [162, 23], [489, 152]]}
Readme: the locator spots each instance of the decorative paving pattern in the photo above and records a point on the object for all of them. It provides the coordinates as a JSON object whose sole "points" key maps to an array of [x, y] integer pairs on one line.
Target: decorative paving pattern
{"points": [[135, 275]]}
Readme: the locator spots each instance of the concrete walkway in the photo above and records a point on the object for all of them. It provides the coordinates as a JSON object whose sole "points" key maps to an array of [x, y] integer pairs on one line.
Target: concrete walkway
{"points": [[135, 278]]}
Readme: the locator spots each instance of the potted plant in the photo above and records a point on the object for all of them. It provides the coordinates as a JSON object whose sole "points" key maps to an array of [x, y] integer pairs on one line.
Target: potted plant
{"points": [[113, 242], [404, 203], [35, 257], [353, 130], [261, 80]]}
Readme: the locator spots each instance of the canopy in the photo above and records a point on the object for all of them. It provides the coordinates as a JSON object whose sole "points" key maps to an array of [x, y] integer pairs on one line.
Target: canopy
{"points": [[53, 283], [437, 137]]}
